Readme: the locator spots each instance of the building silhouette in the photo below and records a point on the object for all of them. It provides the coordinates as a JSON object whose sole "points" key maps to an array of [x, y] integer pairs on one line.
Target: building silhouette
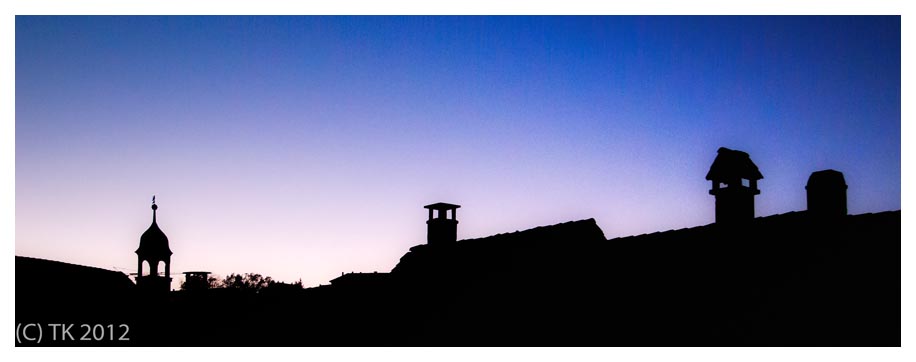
{"points": [[153, 250], [788, 279], [734, 184]]}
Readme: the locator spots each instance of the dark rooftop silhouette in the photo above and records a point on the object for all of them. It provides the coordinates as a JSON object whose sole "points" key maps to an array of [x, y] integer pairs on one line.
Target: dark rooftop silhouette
{"points": [[817, 277], [360, 279], [50, 291]]}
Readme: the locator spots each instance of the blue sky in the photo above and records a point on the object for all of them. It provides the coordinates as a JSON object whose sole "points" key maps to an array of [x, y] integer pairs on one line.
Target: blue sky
{"points": [[302, 147]]}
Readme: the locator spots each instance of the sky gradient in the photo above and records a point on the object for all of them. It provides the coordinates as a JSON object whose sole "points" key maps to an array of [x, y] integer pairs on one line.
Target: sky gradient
{"points": [[303, 147]]}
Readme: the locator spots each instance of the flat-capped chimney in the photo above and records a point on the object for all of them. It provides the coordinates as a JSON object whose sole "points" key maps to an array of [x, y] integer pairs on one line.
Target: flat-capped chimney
{"points": [[442, 228]]}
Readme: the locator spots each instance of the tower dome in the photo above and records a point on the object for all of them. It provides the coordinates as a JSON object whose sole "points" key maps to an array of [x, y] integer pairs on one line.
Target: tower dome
{"points": [[153, 242]]}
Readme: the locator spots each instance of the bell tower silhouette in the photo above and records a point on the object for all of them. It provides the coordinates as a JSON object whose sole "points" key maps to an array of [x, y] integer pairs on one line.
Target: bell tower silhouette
{"points": [[154, 248], [734, 184], [441, 229]]}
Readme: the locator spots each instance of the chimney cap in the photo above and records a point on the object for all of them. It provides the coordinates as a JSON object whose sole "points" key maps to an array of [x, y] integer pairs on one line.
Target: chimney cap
{"points": [[732, 163], [826, 178], [441, 206]]}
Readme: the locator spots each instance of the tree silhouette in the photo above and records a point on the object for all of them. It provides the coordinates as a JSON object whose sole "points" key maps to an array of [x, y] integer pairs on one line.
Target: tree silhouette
{"points": [[248, 281]]}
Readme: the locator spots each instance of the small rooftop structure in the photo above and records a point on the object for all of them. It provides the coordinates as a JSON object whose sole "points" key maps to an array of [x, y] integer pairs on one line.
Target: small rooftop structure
{"points": [[196, 273], [827, 193], [734, 184], [196, 280], [441, 228]]}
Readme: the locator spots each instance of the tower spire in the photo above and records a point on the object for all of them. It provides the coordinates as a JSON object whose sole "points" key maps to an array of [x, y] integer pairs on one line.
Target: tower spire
{"points": [[154, 209]]}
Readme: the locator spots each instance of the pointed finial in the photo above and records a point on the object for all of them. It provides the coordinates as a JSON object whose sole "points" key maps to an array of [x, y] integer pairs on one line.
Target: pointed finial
{"points": [[154, 205]]}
